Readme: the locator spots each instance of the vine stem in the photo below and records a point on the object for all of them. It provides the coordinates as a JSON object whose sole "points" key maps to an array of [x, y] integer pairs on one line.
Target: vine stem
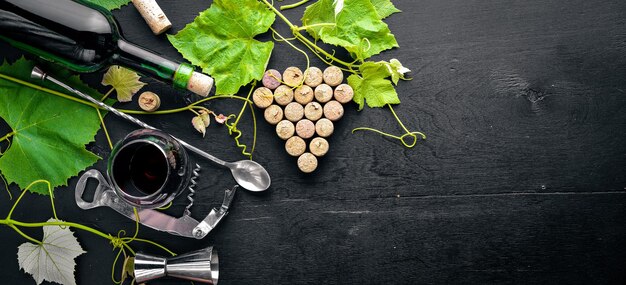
{"points": [[294, 5], [47, 90], [10, 222], [104, 127], [7, 136], [121, 242], [232, 128], [134, 112], [308, 61], [401, 138], [303, 39], [316, 25]]}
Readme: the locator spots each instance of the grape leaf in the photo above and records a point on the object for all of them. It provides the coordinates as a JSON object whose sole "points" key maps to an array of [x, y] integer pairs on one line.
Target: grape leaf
{"points": [[384, 8], [110, 4], [373, 86], [357, 27], [221, 41], [125, 82], [49, 132], [53, 259]]}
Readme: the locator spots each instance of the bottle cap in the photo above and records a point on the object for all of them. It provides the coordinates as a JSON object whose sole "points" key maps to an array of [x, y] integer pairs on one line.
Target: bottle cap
{"points": [[200, 84]]}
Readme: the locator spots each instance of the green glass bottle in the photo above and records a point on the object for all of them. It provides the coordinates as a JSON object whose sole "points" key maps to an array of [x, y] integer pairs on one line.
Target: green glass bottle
{"points": [[85, 37]]}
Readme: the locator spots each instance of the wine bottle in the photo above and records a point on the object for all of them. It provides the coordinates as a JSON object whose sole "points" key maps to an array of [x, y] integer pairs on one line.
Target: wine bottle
{"points": [[85, 38]]}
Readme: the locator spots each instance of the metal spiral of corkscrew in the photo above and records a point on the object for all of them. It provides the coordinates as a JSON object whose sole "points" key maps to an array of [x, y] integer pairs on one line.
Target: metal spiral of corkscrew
{"points": [[192, 184]]}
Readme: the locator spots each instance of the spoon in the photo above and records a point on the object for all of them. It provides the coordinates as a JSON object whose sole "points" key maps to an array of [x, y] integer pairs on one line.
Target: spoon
{"points": [[249, 174]]}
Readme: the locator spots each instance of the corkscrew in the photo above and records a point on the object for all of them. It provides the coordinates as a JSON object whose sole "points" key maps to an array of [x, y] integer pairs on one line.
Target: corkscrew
{"points": [[192, 185], [185, 226], [146, 170]]}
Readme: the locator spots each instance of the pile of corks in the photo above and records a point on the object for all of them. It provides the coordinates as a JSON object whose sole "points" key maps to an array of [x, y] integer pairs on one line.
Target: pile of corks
{"points": [[303, 106]]}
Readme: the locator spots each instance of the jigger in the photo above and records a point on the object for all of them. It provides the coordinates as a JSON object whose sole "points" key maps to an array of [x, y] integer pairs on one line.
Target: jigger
{"points": [[199, 266]]}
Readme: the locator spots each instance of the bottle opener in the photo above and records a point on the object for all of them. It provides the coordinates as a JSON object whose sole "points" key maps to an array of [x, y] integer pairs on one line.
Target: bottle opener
{"points": [[185, 226]]}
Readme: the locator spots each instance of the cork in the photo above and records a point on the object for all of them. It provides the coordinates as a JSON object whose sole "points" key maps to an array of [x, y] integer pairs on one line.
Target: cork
{"points": [[307, 162], [154, 16], [272, 78], [294, 112], [292, 76], [323, 93], [313, 77], [295, 146], [318, 147], [283, 95], [333, 76], [273, 114], [344, 93], [313, 111], [285, 129], [263, 97], [324, 128], [200, 84], [333, 110], [303, 94], [149, 102], [305, 129]]}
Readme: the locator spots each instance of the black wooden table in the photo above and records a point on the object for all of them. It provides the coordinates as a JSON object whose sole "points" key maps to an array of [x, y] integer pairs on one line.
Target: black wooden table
{"points": [[522, 179]]}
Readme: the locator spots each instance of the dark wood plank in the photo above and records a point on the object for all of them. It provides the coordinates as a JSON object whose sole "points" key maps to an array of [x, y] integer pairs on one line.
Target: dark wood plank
{"points": [[521, 179]]}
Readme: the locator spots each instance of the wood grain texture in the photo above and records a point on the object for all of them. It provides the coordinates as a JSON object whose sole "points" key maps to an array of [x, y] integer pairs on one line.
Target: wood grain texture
{"points": [[522, 179]]}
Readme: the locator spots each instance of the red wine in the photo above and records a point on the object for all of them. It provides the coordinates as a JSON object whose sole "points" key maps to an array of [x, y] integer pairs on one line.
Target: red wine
{"points": [[85, 38], [140, 169]]}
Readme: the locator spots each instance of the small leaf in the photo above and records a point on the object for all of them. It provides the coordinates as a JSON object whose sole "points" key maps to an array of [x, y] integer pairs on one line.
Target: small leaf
{"points": [[397, 70], [198, 124], [110, 4], [221, 118], [125, 82], [373, 87], [53, 259], [128, 269], [204, 115]]}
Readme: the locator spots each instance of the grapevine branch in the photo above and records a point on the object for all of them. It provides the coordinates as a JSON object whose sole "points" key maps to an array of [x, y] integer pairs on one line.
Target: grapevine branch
{"points": [[117, 242], [348, 66], [190, 107]]}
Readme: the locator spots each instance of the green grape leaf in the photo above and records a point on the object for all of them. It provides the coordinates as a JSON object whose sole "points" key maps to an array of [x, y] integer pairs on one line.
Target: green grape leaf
{"points": [[221, 41], [373, 86], [384, 8], [357, 27], [125, 82], [49, 132], [109, 4], [53, 259]]}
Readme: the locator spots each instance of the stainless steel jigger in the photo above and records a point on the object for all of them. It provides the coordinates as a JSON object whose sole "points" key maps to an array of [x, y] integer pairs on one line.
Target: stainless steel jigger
{"points": [[198, 266]]}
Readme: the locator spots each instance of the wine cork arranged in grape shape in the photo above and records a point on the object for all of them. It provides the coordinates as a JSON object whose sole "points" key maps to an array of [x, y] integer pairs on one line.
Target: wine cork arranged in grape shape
{"points": [[304, 107]]}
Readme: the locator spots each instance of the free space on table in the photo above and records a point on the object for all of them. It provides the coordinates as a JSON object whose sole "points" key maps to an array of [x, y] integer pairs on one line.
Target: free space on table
{"points": [[522, 179]]}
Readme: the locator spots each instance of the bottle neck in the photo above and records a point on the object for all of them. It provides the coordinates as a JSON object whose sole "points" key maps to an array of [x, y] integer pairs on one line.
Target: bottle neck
{"points": [[151, 64]]}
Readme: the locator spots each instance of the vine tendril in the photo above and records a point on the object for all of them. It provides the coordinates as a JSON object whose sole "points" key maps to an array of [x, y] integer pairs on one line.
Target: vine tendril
{"points": [[408, 134]]}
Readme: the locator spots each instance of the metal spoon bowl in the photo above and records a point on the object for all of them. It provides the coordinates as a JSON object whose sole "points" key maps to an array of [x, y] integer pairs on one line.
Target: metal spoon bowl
{"points": [[250, 175]]}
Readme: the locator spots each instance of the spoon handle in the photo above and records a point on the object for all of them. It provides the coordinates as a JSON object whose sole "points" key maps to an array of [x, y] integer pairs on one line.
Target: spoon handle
{"points": [[201, 152]]}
